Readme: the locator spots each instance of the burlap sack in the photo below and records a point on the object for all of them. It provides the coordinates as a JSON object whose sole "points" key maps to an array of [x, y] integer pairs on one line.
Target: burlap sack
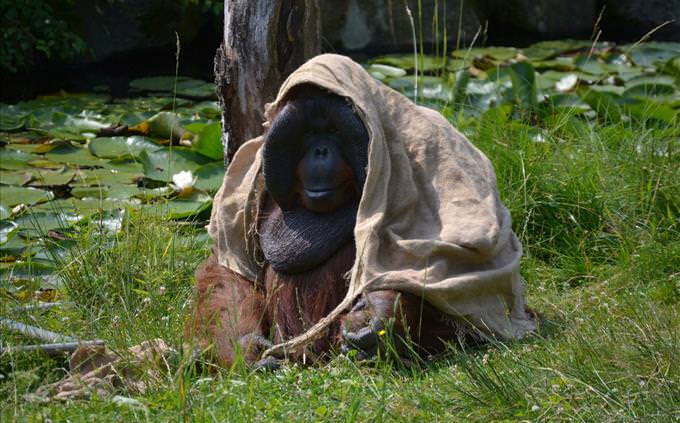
{"points": [[430, 221]]}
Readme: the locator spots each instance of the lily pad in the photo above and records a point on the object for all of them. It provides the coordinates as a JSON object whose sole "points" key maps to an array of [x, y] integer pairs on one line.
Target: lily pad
{"points": [[66, 126], [203, 110], [548, 49], [14, 248], [37, 224], [645, 110], [89, 192], [649, 54], [164, 125], [80, 209], [15, 160], [196, 89], [161, 165], [650, 86], [524, 85], [8, 230], [120, 147], [672, 67], [106, 176], [408, 62], [119, 192], [605, 104], [51, 177], [209, 177], [11, 196], [181, 208], [387, 70], [8, 177], [12, 117], [73, 155], [209, 142], [570, 101], [499, 53]]}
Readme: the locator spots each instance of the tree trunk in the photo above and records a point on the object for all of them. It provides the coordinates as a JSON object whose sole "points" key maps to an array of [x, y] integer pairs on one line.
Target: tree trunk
{"points": [[264, 41]]}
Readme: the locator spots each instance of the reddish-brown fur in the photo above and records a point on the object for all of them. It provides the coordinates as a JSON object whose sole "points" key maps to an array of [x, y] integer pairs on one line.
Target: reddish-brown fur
{"points": [[233, 313]]}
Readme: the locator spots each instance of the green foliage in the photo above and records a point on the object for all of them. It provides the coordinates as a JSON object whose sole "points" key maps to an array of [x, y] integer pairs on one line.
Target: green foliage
{"points": [[33, 29]]}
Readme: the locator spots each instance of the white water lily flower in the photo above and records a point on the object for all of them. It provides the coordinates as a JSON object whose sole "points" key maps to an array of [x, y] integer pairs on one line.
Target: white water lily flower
{"points": [[183, 180], [567, 83]]}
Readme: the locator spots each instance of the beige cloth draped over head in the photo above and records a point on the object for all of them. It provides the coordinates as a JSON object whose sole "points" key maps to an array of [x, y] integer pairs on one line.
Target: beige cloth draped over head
{"points": [[430, 221]]}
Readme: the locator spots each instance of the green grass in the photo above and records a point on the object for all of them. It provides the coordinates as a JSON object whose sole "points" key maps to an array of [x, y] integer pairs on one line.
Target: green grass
{"points": [[597, 207]]}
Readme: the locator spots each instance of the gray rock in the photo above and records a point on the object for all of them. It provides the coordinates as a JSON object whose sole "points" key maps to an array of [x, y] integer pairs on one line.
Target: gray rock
{"points": [[634, 18], [544, 17], [385, 25], [109, 28]]}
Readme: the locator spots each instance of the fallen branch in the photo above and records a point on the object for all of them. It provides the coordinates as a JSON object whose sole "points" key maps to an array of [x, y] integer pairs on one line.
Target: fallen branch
{"points": [[35, 332], [57, 343], [41, 306], [50, 349]]}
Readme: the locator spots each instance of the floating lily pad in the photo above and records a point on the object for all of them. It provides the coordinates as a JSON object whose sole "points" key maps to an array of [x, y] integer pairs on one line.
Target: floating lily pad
{"points": [[672, 67], [408, 62], [209, 177], [14, 248], [8, 230], [51, 177], [12, 117], [181, 208], [8, 177], [120, 147], [120, 192], [196, 89], [386, 70], [645, 110], [81, 209], [36, 224], [563, 64], [203, 110], [548, 49], [124, 165], [161, 165], [570, 101], [650, 86], [89, 192], [605, 104], [73, 155], [11, 196], [106, 176], [209, 142], [499, 53], [523, 84], [26, 271], [649, 54], [612, 89], [164, 125], [11, 159], [66, 126]]}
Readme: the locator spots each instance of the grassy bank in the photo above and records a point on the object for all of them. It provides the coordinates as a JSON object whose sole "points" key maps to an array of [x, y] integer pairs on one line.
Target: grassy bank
{"points": [[596, 205]]}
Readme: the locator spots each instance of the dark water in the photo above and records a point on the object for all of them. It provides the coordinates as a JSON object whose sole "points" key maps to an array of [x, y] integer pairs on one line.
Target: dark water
{"points": [[114, 74]]}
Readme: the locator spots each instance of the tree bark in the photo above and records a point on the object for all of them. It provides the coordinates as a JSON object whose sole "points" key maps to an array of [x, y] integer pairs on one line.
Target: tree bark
{"points": [[264, 41]]}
